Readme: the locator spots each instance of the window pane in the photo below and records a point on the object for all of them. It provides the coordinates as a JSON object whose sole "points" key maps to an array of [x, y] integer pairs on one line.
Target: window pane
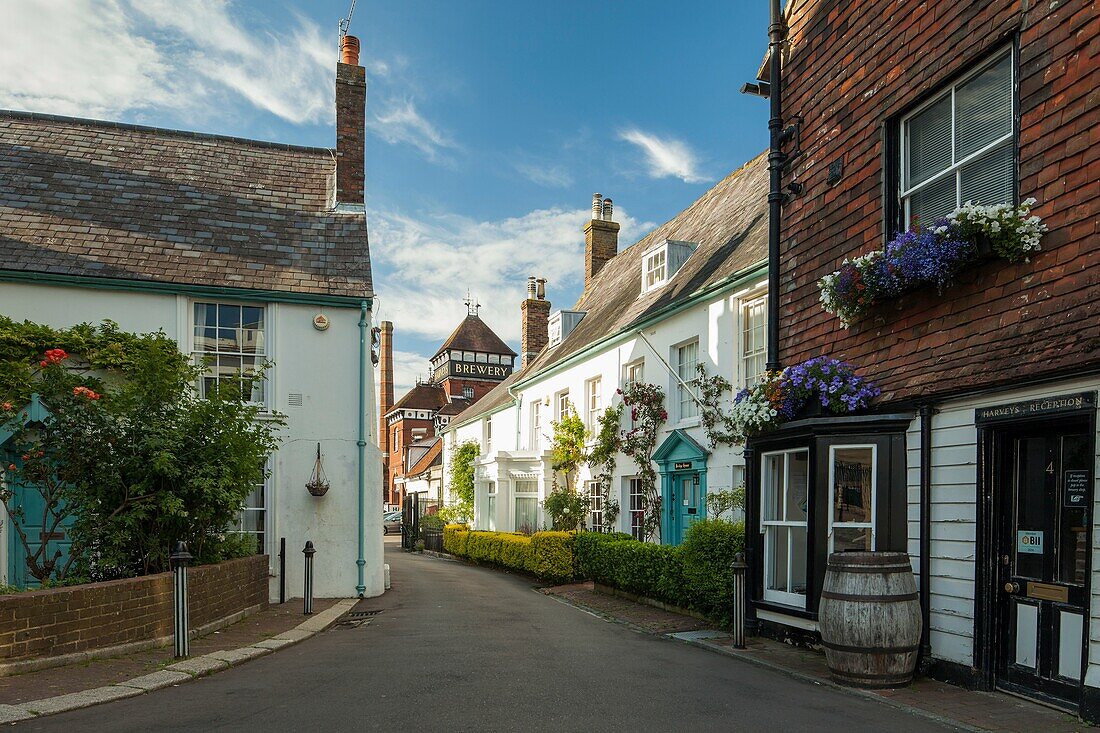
{"points": [[988, 180], [1073, 532], [798, 560], [206, 314], [1032, 504], [798, 486], [229, 316], [934, 201], [527, 516], [482, 358], [252, 317], [847, 539], [206, 339], [772, 499], [983, 109], [928, 142], [491, 511], [776, 549], [852, 475], [227, 339]]}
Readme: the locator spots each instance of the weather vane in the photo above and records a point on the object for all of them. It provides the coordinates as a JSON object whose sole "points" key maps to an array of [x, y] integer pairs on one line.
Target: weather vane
{"points": [[473, 308]]}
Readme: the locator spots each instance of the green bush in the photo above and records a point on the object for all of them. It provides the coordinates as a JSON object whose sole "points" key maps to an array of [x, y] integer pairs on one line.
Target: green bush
{"points": [[516, 552], [455, 539], [432, 521], [547, 555], [553, 556], [695, 575]]}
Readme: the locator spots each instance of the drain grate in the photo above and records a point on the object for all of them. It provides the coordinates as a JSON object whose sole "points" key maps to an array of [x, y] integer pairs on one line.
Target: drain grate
{"points": [[356, 619]]}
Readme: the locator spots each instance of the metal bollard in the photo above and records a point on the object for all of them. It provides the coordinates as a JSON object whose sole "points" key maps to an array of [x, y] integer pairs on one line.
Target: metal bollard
{"points": [[307, 597], [179, 559], [738, 566]]}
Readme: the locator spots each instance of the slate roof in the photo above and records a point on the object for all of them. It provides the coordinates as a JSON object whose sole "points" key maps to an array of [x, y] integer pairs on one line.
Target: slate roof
{"points": [[433, 456], [423, 396], [101, 199], [473, 334], [729, 223]]}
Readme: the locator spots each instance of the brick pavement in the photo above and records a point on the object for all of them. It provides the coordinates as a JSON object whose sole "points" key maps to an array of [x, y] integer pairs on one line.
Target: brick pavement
{"points": [[107, 671], [983, 711]]}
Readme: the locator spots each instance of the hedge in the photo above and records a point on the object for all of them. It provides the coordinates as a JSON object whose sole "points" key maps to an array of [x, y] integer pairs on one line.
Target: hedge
{"points": [[696, 575], [546, 555]]}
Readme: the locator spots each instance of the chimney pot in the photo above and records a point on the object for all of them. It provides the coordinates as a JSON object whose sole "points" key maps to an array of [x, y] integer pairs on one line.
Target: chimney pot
{"points": [[607, 209], [531, 287], [597, 205], [541, 291], [349, 50]]}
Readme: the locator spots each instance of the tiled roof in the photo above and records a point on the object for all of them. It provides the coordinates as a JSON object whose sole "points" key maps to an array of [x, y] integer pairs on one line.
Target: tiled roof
{"points": [[729, 223], [455, 406], [88, 198], [422, 397], [473, 334], [432, 456]]}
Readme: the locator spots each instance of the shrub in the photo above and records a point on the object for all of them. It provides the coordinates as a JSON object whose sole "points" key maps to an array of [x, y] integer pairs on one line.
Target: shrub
{"points": [[709, 547], [516, 552], [455, 539], [547, 555], [553, 556]]}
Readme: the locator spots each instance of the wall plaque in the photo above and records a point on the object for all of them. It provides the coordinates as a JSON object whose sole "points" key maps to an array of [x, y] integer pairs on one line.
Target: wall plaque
{"points": [[681, 466], [1040, 407]]}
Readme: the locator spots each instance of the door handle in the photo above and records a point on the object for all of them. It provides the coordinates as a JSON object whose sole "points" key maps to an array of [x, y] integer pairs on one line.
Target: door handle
{"points": [[1012, 587]]}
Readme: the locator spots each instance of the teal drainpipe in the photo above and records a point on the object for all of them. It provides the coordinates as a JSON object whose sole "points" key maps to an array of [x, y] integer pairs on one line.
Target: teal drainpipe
{"points": [[361, 588]]}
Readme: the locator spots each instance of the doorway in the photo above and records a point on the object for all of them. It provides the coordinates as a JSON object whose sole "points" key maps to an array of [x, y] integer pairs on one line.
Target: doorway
{"points": [[1042, 483]]}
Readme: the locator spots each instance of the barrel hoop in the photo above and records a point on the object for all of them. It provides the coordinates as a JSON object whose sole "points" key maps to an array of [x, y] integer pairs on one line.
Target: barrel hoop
{"points": [[869, 598], [869, 649], [883, 569]]}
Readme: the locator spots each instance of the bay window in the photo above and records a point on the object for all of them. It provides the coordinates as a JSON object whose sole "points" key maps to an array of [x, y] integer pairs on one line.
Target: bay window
{"points": [[784, 503], [527, 506]]}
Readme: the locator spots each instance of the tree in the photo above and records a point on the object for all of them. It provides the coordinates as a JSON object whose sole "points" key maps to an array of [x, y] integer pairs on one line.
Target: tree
{"points": [[564, 504]]}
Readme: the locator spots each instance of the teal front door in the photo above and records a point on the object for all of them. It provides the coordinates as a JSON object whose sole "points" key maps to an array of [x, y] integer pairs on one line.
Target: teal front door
{"points": [[37, 524], [686, 505]]}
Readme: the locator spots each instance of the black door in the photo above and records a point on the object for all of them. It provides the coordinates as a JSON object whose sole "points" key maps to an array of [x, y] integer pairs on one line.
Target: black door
{"points": [[1044, 498]]}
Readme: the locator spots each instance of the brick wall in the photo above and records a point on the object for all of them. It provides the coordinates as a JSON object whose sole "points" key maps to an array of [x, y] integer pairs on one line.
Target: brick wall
{"points": [[61, 621], [853, 69]]}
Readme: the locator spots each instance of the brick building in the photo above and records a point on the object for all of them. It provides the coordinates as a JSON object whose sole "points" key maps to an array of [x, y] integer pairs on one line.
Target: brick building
{"points": [[982, 448], [466, 367]]}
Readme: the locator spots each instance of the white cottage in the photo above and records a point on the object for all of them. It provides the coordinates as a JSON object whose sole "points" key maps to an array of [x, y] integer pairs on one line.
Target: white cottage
{"points": [[691, 292], [245, 253]]}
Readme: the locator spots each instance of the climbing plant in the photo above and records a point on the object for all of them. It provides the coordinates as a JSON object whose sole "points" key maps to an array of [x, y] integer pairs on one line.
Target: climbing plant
{"points": [[128, 452], [602, 459], [461, 472], [565, 505], [647, 413], [717, 424]]}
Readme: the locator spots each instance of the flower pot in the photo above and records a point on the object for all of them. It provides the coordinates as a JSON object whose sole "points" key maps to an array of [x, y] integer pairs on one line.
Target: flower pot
{"points": [[983, 245], [317, 488]]}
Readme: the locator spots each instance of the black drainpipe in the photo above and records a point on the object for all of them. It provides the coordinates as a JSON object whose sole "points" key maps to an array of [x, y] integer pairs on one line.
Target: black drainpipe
{"points": [[926, 411], [776, 36]]}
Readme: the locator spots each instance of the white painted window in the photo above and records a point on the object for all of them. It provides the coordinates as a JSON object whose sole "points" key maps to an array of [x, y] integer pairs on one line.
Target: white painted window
{"points": [[852, 497], [487, 432], [561, 402], [230, 343], [468, 392], [527, 506], [595, 505], [754, 343], [535, 439], [252, 519], [396, 435], [655, 269], [491, 507], [637, 508], [959, 146], [593, 401], [685, 358], [783, 505], [634, 372]]}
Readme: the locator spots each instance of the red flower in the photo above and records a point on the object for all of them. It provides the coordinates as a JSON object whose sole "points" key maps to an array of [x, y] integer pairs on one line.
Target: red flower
{"points": [[85, 392], [11, 466], [7, 405], [54, 356]]}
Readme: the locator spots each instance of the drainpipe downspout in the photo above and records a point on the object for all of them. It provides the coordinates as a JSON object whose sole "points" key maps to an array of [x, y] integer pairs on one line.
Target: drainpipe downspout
{"points": [[926, 411], [364, 354], [777, 32]]}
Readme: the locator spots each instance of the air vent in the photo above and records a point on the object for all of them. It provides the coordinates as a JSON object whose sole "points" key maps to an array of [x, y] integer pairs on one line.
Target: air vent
{"points": [[294, 399]]}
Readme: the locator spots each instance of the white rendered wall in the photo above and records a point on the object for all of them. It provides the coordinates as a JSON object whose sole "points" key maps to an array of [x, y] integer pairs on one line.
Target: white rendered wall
{"points": [[323, 367]]}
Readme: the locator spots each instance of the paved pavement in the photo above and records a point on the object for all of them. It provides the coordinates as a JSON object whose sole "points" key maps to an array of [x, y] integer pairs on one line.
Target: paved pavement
{"points": [[455, 647]]}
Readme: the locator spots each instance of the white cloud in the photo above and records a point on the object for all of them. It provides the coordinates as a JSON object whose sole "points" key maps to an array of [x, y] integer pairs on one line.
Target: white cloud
{"points": [[82, 57], [666, 157], [402, 123], [425, 265]]}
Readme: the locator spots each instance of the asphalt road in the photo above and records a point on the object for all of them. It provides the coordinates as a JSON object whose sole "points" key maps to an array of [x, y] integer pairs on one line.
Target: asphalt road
{"points": [[456, 647]]}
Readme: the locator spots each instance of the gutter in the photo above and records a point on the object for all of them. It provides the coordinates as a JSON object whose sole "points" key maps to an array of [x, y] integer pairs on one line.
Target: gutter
{"points": [[364, 354]]}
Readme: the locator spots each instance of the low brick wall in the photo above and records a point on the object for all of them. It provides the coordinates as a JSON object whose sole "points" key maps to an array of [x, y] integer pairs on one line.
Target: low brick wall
{"points": [[121, 613]]}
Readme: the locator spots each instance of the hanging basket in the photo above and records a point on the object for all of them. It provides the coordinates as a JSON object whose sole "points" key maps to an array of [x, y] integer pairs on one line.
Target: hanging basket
{"points": [[318, 481]]}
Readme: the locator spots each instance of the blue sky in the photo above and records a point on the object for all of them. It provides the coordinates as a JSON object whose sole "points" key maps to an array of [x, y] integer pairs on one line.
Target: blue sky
{"points": [[490, 124]]}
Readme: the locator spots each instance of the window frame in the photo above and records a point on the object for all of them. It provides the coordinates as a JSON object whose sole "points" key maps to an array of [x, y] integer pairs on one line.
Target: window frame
{"points": [[831, 523], [896, 150], [595, 497], [637, 514], [518, 495], [760, 354], [786, 598], [491, 506], [593, 401], [561, 404], [263, 534], [263, 357], [534, 438], [680, 387], [648, 268]]}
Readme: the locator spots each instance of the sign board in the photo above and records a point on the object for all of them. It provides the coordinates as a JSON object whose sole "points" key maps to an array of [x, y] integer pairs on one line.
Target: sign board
{"points": [[1036, 408], [478, 370], [1075, 490], [1030, 543], [681, 466]]}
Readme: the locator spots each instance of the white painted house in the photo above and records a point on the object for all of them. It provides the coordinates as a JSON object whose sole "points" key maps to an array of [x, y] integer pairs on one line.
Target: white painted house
{"points": [[244, 252], [692, 291]]}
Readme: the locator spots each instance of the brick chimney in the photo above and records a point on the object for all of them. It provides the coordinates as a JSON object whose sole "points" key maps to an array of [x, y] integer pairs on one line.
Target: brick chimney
{"points": [[535, 312], [351, 111], [601, 239], [385, 391]]}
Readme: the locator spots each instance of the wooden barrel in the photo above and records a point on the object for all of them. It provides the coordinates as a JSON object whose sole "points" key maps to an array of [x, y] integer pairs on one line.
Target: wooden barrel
{"points": [[870, 618]]}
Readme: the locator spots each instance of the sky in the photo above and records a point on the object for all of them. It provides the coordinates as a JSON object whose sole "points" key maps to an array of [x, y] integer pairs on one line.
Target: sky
{"points": [[489, 124]]}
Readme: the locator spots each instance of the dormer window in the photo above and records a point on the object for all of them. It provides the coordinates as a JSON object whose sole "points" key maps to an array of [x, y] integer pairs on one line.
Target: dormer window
{"points": [[655, 269], [561, 324], [661, 263]]}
